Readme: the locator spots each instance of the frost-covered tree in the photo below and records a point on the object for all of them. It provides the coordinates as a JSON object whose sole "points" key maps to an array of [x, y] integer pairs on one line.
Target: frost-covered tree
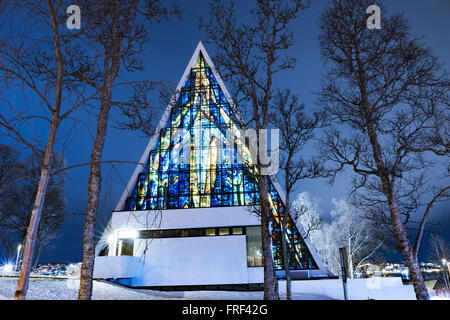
{"points": [[349, 229], [307, 215], [346, 228]]}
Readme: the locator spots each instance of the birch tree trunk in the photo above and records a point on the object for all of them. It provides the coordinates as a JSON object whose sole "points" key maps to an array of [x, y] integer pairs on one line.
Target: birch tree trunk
{"points": [[121, 42], [94, 188], [407, 251], [286, 255], [270, 280], [350, 259], [400, 233], [30, 243]]}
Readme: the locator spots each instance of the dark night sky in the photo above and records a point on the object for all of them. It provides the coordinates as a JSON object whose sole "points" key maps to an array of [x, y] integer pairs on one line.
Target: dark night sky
{"points": [[166, 56]]}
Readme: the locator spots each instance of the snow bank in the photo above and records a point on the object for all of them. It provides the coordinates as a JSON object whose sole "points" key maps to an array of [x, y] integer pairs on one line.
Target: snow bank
{"points": [[67, 289], [358, 289]]}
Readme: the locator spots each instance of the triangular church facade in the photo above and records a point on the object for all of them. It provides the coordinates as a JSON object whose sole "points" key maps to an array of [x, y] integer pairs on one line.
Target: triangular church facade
{"points": [[184, 218]]}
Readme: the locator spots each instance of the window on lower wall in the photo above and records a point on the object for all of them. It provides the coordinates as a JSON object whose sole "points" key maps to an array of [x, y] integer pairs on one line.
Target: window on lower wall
{"points": [[254, 248], [104, 251], [238, 230], [196, 232], [125, 247]]}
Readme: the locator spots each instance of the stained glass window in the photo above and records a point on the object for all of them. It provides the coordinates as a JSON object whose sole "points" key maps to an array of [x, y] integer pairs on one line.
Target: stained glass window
{"points": [[213, 174]]}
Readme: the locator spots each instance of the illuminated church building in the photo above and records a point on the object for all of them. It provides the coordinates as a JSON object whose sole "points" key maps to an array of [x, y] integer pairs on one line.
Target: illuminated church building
{"points": [[188, 223]]}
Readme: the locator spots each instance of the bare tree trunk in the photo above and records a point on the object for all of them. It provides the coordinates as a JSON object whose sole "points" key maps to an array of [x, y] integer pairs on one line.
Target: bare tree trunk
{"points": [[350, 259], [125, 41], [94, 188], [22, 285], [286, 254], [270, 280], [30, 244], [406, 249], [403, 243], [111, 69]]}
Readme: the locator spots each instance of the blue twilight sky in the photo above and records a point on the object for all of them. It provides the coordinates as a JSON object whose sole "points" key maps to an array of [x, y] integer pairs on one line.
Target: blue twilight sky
{"points": [[166, 56]]}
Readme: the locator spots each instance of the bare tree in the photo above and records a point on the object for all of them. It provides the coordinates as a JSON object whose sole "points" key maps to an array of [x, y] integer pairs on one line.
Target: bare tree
{"points": [[10, 170], [386, 97], [296, 129], [249, 57], [116, 31], [18, 203], [36, 66]]}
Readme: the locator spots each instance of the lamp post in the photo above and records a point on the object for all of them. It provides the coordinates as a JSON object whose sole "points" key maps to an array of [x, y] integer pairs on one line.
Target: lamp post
{"points": [[343, 256], [18, 255]]}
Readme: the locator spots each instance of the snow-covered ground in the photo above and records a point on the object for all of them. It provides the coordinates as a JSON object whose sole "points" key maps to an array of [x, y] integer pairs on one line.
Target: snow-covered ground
{"points": [[67, 289]]}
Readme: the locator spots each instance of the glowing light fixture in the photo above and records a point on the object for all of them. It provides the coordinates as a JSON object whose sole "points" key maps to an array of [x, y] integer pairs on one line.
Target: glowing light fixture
{"points": [[111, 239], [128, 234], [8, 267]]}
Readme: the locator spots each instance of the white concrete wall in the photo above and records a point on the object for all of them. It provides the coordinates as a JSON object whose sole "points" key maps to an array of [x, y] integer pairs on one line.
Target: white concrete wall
{"points": [[182, 219], [117, 267], [193, 261], [358, 289], [255, 275], [185, 218]]}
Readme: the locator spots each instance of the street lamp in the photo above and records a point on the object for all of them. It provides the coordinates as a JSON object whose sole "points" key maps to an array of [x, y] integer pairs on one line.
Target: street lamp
{"points": [[18, 255]]}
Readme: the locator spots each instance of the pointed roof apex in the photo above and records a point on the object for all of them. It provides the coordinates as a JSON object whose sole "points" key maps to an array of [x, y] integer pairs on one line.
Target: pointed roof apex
{"points": [[200, 47], [200, 44]]}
